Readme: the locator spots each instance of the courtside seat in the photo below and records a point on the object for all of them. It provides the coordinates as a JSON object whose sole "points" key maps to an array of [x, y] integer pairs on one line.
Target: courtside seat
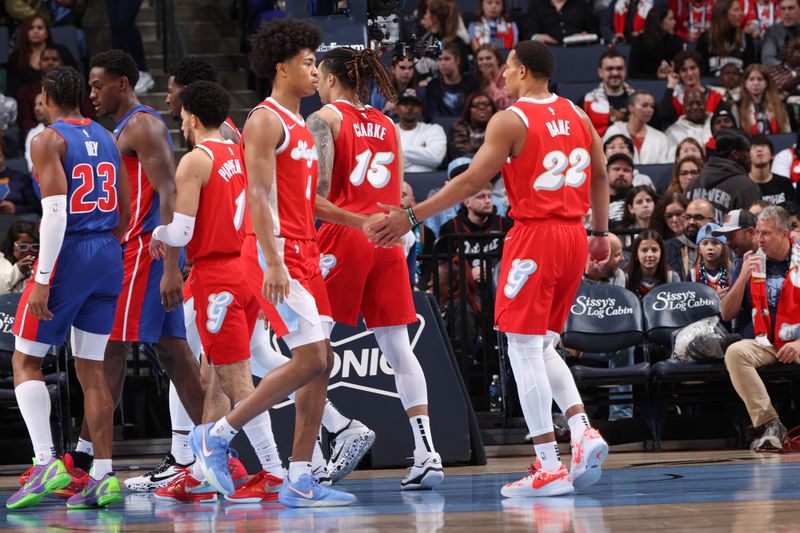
{"points": [[675, 305], [424, 182], [660, 174], [782, 141], [576, 90], [577, 63]]}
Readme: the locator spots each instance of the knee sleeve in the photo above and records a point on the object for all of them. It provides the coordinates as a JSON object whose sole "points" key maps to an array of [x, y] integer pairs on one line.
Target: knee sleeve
{"points": [[408, 376], [262, 352], [535, 396], [190, 321], [177, 412], [562, 384]]}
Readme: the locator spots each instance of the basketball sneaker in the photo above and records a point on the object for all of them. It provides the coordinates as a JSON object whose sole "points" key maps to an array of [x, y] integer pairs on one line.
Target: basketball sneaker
{"points": [[588, 455], [322, 474], [98, 493], [78, 475], [426, 473], [43, 479], [262, 487], [772, 438], [540, 483], [306, 492], [212, 452], [186, 489], [237, 470], [348, 447], [162, 475]]}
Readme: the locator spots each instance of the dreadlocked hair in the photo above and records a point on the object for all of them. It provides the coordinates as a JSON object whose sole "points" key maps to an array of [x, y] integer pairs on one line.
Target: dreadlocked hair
{"points": [[65, 86], [355, 68]]}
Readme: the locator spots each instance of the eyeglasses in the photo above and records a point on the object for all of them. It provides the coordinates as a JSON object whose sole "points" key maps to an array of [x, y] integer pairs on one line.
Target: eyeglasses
{"points": [[697, 218], [674, 214], [689, 173], [27, 247], [481, 105]]}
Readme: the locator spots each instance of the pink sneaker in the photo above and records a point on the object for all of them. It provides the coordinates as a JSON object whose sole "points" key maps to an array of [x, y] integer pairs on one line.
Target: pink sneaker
{"points": [[540, 483], [588, 455]]}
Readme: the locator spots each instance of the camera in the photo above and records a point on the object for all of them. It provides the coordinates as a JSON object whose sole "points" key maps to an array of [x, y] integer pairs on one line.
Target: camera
{"points": [[383, 30]]}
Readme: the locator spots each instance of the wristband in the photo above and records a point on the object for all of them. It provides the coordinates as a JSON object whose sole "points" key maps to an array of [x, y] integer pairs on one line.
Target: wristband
{"points": [[594, 233], [412, 218]]}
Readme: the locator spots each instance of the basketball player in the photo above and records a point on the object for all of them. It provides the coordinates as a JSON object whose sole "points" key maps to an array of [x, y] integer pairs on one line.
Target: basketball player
{"points": [[553, 167], [356, 145], [281, 163], [78, 278]]}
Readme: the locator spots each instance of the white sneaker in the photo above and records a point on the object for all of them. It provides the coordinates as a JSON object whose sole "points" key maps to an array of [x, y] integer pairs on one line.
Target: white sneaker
{"points": [[159, 477], [588, 455], [540, 483], [348, 447], [426, 473], [145, 83], [322, 474]]}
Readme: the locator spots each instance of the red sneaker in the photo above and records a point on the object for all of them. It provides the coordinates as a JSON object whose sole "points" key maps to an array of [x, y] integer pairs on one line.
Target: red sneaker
{"points": [[238, 471], [187, 489], [540, 483], [77, 482], [262, 487], [588, 455]]}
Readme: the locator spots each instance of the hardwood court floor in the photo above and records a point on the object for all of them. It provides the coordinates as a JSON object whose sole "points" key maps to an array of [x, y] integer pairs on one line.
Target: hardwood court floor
{"points": [[707, 491]]}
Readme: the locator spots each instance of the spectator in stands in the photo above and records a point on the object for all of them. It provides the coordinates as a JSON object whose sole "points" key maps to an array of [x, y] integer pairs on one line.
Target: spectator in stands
{"points": [[722, 119], [647, 267], [20, 249], [466, 136], [493, 26], [774, 189], [608, 103], [773, 306], [630, 18], [667, 217], [619, 168], [696, 123], [775, 38], [760, 108], [730, 84], [712, 265], [23, 9], [683, 173], [442, 19], [25, 63], [693, 17], [760, 15], [622, 144], [653, 50], [651, 146], [758, 206], [724, 181], [609, 273], [422, 268], [41, 118], [550, 21], [725, 42], [125, 36], [682, 250], [17, 196], [490, 73], [640, 203], [403, 76], [739, 229], [689, 147], [784, 76], [445, 94], [424, 145], [684, 79], [787, 162]]}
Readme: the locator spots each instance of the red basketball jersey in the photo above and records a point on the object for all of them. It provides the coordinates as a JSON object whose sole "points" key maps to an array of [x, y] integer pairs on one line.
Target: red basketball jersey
{"points": [[218, 227], [550, 178], [294, 187], [366, 169]]}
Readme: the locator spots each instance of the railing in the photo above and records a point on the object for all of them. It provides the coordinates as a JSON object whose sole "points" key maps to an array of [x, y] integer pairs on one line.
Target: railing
{"points": [[168, 33]]}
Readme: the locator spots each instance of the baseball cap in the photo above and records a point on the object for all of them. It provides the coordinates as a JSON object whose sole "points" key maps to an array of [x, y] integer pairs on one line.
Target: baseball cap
{"points": [[729, 140], [619, 157], [723, 111], [409, 95], [708, 232], [737, 219], [458, 165]]}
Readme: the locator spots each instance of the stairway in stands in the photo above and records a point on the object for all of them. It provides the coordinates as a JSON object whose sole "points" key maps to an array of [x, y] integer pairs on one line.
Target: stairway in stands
{"points": [[208, 31]]}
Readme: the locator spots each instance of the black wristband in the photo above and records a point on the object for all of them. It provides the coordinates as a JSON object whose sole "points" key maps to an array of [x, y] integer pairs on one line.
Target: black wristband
{"points": [[412, 218], [598, 233]]}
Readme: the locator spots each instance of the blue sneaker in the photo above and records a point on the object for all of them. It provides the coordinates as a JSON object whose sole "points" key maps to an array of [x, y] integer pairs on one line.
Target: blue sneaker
{"points": [[307, 492], [212, 452]]}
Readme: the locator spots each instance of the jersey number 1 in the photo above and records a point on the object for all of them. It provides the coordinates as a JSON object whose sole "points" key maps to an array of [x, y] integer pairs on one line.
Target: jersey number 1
{"points": [[560, 171], [374, 169], [107, 183]]}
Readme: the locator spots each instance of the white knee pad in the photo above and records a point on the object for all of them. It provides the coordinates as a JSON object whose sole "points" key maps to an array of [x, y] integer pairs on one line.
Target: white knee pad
{"points": [[408, 376], [192, 335], [32, 348], [262, 352], [562, 384], [306, 333], [177, 412], [85, 345], [535, 396]]}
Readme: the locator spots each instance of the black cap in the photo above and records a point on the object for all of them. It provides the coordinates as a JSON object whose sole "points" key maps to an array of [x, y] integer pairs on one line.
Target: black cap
{"points": [[729, 140], [617, 157], [723, 111], [409, 96]]}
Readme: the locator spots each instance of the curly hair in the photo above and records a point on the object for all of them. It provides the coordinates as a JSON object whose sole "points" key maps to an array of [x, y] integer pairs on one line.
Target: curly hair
{"points": [[208, 101], [18, 228], [191, 69], [117, 63], [356, 68], [279, 40], [65, 86]]}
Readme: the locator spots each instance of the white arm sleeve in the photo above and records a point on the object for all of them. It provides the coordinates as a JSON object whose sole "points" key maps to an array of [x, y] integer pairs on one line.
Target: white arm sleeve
{"points": [[51, 235], [177, 233]]}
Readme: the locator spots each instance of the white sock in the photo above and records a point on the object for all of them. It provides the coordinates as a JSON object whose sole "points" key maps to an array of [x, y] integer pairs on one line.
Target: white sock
{"points": [[34, 404], [259, 433], [222, 428], [100, 467], [332, 419], [317, 459], [408, 376], [297, 469], [179, 418], [577, 424], [180, 449], [423, 440], [84, 446], [548, 455]]}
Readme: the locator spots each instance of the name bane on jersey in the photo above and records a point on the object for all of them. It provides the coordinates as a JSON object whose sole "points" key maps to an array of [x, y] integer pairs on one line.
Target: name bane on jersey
{"points": [[558, 127], [229, 169], [369, 130]]}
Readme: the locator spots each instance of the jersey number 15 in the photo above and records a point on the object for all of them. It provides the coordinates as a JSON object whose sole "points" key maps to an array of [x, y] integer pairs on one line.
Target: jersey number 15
{"points": [[107, 195]]}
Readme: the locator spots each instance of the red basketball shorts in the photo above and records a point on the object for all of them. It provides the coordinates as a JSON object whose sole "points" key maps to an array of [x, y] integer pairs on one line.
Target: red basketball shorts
{"points": [[363, 278], [540, 273]]}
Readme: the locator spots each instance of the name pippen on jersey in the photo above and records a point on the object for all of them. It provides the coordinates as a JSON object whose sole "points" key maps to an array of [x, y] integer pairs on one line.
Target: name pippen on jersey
{"points": [[369, 130], [558, 127], [229, 169]]}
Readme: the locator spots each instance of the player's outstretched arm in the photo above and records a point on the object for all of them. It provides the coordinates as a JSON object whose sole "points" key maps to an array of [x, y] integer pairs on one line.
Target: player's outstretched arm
{"points": [[502, 132], [264, 133], [123, 196]]}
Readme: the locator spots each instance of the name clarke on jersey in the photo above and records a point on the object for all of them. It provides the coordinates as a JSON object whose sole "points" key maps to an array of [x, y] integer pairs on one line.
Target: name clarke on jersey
{"points": [[369, 130]]}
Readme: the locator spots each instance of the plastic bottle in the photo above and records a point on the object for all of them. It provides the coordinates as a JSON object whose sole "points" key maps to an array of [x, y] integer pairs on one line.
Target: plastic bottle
{"points": [[760, 273], [495, 395]]}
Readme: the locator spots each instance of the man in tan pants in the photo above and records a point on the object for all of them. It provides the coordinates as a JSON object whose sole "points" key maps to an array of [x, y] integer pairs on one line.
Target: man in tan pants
{"points": [[782, 273]]}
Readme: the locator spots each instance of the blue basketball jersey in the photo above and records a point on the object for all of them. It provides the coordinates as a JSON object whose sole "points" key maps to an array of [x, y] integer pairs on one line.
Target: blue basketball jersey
{"points": [[92, 165]]}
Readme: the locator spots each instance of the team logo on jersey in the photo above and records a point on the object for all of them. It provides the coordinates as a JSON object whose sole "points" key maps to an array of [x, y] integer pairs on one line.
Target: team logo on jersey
{"points": [[91, 148], [521, 270], [304, 151], [217, 309], [326, 263]]}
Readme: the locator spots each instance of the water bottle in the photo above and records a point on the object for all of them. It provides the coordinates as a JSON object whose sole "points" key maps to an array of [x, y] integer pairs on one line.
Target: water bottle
{"points": [[760, 272], [495, 395]]}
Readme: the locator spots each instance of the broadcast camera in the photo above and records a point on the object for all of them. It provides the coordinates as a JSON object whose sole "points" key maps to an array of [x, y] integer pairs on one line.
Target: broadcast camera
{"points": [[383, 30]]}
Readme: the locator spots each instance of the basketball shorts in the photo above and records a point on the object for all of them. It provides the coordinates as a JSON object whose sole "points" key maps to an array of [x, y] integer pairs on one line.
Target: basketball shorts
{"points": [[140, 315], [226, 310], [84, 288], [363, 278], [540, 273], [307, 305]]}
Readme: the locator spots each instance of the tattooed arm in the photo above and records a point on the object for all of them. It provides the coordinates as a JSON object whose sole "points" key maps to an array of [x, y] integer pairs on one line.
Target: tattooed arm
{"points": [[322, 125]]}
